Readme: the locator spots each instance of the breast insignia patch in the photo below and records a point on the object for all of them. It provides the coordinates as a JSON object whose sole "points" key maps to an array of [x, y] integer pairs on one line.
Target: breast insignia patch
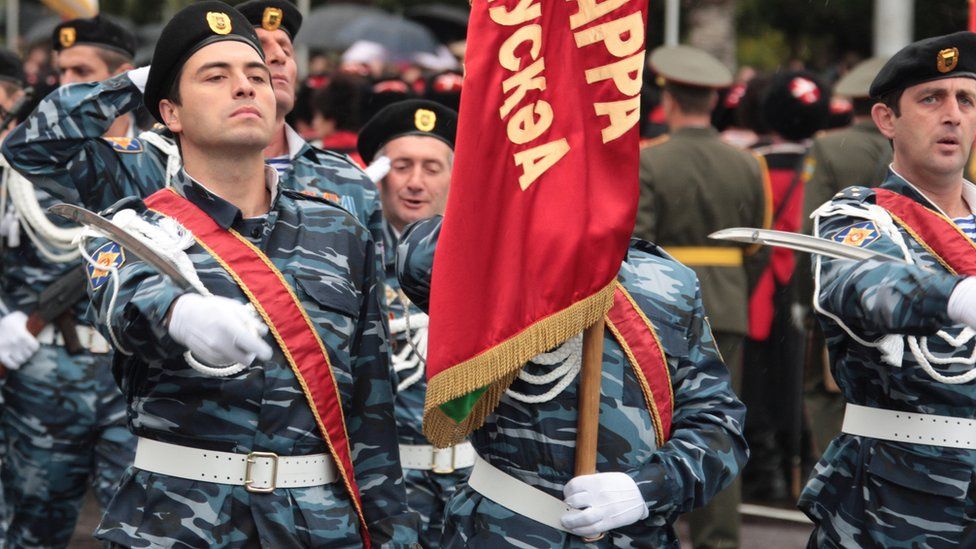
{"points": [[125, 144], [859, 234]]}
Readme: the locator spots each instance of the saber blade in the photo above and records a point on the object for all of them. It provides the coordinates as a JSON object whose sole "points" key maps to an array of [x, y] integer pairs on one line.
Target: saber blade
{"points": [[121, 237], [800, 243]]}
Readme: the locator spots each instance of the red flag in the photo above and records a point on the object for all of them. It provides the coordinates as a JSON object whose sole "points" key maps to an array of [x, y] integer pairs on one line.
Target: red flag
{"points": [[972, 15], [543, 195]]}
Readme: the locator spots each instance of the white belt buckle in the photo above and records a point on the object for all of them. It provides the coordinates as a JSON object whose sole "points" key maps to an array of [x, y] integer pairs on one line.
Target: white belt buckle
{"points": [[248, 469], [446, 470]]}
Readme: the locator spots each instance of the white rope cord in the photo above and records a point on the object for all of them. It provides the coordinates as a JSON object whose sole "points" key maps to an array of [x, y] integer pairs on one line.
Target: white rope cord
{"points": [[570, 354], [892, 346], [414, 353], [53, 242], [172, 152]]}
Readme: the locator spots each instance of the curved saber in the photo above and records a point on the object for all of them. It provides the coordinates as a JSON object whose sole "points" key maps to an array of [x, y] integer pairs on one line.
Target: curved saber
{"points": [[800, 243], [124, 239]]}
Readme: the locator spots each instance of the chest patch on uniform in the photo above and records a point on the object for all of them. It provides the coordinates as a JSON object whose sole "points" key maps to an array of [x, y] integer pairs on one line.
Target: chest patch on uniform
{"points": [[125, 144], [109, 255], [859, 234]]}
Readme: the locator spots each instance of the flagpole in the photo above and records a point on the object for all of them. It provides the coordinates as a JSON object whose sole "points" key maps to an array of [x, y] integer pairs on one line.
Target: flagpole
{"points": [[589, 400], [588, 422]]}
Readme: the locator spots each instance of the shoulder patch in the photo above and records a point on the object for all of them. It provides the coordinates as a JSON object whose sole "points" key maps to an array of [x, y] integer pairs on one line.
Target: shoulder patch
{"points": [[125, 144], [326, 197], [859, 234], [107, 256]]}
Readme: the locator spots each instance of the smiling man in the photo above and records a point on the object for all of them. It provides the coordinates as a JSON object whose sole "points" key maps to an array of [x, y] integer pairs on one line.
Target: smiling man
{"points": [[899, 333], [273, 428]]}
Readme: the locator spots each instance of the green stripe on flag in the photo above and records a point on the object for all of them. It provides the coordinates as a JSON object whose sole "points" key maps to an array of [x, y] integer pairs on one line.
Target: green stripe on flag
{"points": [[459, 408]]}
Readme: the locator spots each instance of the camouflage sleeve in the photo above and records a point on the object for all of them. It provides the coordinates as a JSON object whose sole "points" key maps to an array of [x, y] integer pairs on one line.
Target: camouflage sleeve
{"points": [[707, 447], [372, 425], [137, 312], [56, 146], [415, 259], [880, 297]]}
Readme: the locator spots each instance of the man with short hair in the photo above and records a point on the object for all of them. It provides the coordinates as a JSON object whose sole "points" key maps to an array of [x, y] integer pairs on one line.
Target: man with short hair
{"points": [[59, 147], [64, 418], [899, 330], [410, 145], [692, 184], [265, 391]]}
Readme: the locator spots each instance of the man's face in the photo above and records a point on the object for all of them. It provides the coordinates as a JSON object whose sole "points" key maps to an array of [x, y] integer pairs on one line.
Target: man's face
{"points": [[935, 131], [420, 174], [280, 56], [81, 64], [226, 99]]}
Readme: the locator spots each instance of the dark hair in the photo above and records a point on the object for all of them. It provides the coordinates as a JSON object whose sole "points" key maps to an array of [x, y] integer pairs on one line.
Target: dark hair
{"points": [[342, 101], [692, 99], [749, 114], [892, 100], [112, 59]]}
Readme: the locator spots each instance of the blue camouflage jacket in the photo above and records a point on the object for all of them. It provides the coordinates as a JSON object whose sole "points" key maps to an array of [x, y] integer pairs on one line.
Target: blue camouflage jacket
{"points": [[866, 492], [60, 148], [536, 442], [326, 255]]}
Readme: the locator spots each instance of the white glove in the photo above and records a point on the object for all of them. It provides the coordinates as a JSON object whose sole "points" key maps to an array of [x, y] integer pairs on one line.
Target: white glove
{"points": [[218, 330], [17, 345], [962, 303], [378, 169], [602, 502], [139, 77]]}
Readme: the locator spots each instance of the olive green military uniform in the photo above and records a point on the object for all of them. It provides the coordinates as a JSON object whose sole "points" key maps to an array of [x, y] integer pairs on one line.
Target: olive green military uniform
{"points": [[693, 184], [856, 155]]}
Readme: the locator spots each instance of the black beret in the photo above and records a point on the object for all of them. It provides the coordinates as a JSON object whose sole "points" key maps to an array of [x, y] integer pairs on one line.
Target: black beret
{"points": [[445, 88], [948, 56], [271, 15], [385, 92], [796, 104], [11, 68], [192, 28], [97, 31], [410, 117]]}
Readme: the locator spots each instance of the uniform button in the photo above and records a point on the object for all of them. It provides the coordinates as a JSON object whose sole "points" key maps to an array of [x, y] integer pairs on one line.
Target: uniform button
{"points": [[256, 232]]}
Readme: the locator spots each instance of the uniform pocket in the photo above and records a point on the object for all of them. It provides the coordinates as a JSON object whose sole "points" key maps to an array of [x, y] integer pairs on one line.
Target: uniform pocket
{"points": [[338, 299]]}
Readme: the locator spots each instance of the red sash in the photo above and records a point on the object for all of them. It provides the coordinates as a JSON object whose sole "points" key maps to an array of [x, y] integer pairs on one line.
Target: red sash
{"points": [[636, 336], [940, 236], [278, 305]]}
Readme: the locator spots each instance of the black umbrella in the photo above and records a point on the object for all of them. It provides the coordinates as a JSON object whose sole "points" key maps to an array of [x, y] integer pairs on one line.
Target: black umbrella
{"points": [[321, 28], [400, 37], [448, 23]]}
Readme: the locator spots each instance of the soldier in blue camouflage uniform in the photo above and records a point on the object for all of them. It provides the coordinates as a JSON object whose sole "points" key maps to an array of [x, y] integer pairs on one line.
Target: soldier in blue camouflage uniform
{"points": [[64, 416], [324, 255], [531, 434], [61, 149], [900, 333], [409, 145]]}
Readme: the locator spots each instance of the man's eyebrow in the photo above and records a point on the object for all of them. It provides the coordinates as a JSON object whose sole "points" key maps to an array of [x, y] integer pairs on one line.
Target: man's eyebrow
{"points": [[931, 91], [214, 65]]}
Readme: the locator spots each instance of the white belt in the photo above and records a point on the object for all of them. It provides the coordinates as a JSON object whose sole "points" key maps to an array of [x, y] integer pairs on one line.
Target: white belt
{"points": [[946, 431], [516, 496], [259, 472], [89, 337], [439, 460]]}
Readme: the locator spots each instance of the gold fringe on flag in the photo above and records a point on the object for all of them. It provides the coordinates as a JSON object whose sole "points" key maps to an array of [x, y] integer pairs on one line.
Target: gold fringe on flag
{"points": [[496, 368]]}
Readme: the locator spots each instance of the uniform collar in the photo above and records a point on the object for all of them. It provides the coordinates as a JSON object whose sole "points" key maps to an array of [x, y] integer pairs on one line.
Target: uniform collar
{"points": [[897, 183], [221, 211], [296, 144], [695, 131]]}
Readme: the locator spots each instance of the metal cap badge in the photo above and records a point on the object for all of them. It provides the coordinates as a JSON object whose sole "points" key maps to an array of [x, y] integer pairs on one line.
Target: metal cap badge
{"points": [[67, 37], [425, 120], [947, 59], [219, 22], [271, 19]]}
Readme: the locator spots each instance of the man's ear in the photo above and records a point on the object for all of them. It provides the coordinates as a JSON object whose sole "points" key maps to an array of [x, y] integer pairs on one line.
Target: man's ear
{"points": [[884, 119], [124, 67], [170, 114]]}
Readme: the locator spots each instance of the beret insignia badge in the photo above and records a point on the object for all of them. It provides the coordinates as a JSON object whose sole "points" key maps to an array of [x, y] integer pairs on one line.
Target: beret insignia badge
{"points": [[271, 19], [67, 37], [424, 120], [947, 59], [219, 22]]}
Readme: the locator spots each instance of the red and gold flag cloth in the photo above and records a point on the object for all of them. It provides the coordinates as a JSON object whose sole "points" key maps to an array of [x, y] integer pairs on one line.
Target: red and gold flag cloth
{"points": [[543, 194], [279, 307], [937, 233]]}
